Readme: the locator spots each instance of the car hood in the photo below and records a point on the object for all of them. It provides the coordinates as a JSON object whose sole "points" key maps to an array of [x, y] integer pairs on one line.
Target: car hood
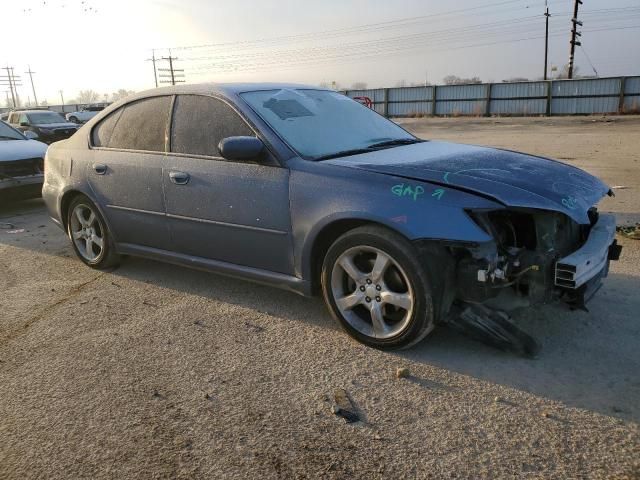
{"points": [[11, 150], [512, 178], [56, 125]]}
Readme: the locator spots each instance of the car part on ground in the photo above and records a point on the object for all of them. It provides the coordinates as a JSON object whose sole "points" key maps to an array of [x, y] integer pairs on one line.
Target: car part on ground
{"points": [[274, 183]]}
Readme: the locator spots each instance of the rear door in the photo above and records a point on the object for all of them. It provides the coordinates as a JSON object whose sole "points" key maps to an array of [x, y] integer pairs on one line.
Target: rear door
{"points": [[125, 171], [232, 211]]}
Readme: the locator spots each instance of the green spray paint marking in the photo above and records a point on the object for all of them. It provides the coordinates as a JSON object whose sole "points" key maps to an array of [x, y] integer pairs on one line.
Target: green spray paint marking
{"points": [[438, 193], [402, 190]]}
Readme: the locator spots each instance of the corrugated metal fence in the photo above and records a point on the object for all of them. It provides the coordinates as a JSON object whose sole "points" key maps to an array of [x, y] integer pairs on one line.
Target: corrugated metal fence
{"points": [[553, 97]]}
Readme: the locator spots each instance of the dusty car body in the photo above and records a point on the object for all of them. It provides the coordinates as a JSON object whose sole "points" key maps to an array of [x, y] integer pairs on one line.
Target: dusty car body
{"points": [[21, 164], [393, 232]]}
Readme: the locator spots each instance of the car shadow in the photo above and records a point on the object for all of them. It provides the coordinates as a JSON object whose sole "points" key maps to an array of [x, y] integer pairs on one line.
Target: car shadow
{"points": [[588, 360]]}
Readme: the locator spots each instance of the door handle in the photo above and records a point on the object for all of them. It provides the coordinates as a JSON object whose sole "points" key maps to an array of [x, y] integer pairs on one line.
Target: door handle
{"points": [[100, 168], [179, 178]]}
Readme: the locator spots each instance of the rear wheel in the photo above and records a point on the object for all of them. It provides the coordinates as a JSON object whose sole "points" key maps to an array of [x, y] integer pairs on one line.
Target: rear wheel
{"points": [[89, 235], [375, 285]]}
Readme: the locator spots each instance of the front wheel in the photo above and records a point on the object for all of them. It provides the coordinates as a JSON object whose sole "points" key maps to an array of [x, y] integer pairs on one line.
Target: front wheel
{"points": [[376, 287], [74, 119], [89, 235]]}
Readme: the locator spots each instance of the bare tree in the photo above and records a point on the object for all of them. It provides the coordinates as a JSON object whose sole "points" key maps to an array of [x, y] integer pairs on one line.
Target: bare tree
{"points": [[455, 80], [359, 86], [120, 94], [87, 96], [515, 79], [564, 72]]}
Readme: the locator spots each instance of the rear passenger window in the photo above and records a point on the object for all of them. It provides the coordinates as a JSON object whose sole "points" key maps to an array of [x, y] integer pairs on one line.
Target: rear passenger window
{"points": [[142, 125], [102, 132], [200, 122]]}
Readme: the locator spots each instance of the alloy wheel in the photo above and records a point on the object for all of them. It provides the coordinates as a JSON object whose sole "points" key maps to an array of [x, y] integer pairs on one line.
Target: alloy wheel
{"points": [[372, 292], [87, 232]]}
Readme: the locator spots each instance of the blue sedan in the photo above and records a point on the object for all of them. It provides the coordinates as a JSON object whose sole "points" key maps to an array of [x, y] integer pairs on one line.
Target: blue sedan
{"points": [[305, 189]]}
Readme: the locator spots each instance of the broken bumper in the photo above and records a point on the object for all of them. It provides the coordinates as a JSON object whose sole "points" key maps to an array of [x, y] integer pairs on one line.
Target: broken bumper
{"points": [[581, 273], [17, 188]]}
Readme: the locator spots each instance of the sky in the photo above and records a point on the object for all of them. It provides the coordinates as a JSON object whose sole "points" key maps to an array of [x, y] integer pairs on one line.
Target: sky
{"points": [[103, 45]]}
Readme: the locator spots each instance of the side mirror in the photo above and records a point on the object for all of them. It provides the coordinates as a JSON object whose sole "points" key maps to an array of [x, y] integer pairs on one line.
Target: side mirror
{"points": [[24, 124], [31, 135], [240, 148]]}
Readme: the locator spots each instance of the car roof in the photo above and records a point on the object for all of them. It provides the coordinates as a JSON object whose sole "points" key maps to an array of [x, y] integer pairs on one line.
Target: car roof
{"points": [[34, 111], [227, 89]]}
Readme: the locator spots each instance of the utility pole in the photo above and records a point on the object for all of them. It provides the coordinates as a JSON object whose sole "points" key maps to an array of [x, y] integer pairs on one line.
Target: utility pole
{"points": [[11, 81], [14, 86], [35, 98], [153, 59], [574, 33], [174, 74], [546, 39], [62, 98]]}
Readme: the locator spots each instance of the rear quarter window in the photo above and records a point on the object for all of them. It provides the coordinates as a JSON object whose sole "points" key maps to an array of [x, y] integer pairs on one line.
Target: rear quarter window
{"points": [[139, 125], [102, 132]]}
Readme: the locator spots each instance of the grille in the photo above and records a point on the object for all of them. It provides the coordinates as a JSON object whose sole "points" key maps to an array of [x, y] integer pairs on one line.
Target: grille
{"points": [[565, 275], [21, 168]]}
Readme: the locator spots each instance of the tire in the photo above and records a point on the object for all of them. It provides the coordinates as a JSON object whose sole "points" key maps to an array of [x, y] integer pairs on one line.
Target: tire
{"points": [[91, 239], [73, 119], [393, 287]]}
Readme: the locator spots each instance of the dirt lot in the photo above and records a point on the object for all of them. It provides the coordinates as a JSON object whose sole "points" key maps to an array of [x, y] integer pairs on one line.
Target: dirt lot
{"points": [[155, 371]]}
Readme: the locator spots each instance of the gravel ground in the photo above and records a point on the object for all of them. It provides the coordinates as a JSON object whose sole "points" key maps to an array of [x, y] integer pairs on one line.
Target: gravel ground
{"points": [[156, 371]]}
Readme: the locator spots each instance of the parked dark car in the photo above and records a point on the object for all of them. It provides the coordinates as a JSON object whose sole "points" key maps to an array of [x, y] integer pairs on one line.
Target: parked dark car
{"points": [[21, 164], [50, 126], [306, 189]]}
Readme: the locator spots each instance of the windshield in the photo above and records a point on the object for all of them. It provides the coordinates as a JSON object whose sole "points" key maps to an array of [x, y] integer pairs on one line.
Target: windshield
{"points": [[41, 118], [8, 133], [320, 123]]}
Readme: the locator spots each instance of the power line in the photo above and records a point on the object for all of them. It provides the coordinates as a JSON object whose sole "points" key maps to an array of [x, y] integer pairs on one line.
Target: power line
{"points": [[359, 56], [334, 32], [589, 60]]}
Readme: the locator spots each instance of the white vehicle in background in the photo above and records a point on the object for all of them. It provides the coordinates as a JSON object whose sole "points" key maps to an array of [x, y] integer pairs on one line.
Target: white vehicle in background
{"points": [[84, 115]]}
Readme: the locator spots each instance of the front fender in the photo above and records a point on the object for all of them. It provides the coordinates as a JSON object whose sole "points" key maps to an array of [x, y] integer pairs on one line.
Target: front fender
{"points": [[322, 195]]}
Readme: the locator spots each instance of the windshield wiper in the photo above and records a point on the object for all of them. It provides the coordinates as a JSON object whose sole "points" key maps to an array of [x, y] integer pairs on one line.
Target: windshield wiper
{"points": [[371, 148], [344, 153], [393, 143]]}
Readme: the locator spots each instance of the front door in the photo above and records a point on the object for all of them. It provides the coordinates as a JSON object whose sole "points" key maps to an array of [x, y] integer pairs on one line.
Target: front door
{"points": [[235, 212], [126, 168]]}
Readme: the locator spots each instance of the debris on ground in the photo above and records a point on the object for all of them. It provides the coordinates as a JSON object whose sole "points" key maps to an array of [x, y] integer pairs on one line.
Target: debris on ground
{"points": [[19, 230], [344, 407], [402, 372], [619, 187], [493, 328], [630, 231], [253, 327]]}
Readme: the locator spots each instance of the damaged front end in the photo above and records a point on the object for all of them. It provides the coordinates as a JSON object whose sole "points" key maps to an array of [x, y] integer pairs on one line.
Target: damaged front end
{"points": [[536, 257]]}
